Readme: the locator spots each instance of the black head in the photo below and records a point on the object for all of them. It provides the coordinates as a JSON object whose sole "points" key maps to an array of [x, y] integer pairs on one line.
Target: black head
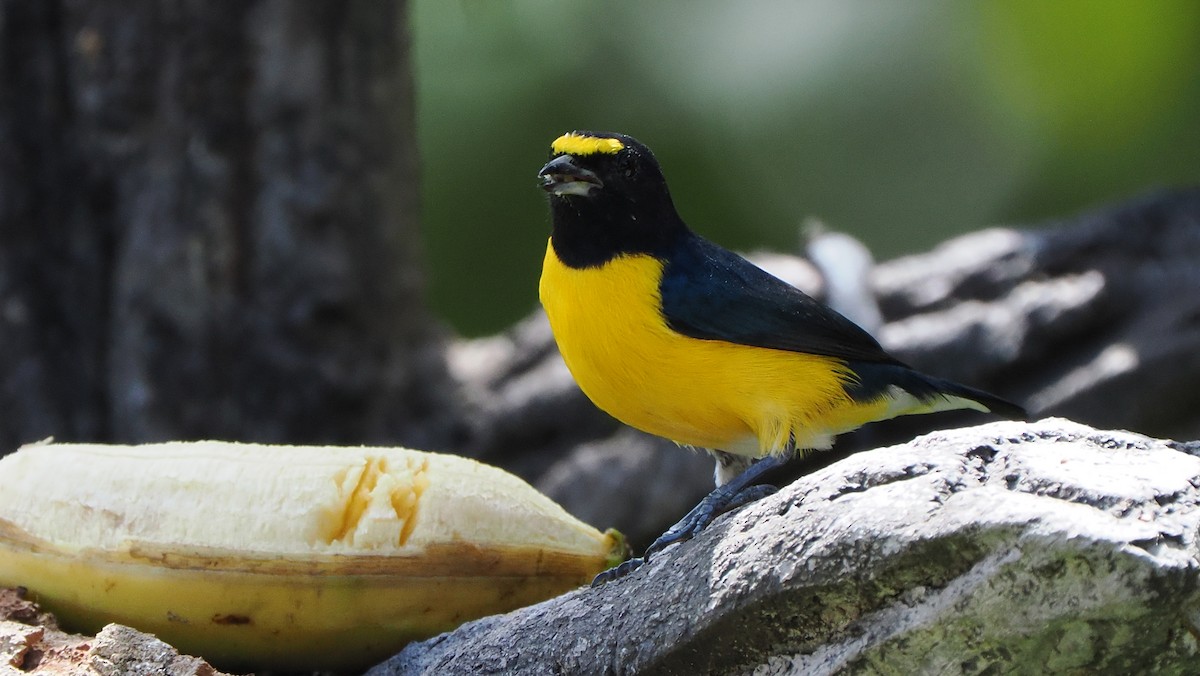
{"points": [[607, 197]]}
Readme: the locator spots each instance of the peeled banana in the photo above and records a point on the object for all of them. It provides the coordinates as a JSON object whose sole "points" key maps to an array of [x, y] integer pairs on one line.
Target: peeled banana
{"points": [[282, 557]]}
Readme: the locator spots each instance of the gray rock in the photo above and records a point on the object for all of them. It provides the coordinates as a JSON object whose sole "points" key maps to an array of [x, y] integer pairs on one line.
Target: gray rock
{"points": [[123, 651], [1095, 318], [1005, 548]]}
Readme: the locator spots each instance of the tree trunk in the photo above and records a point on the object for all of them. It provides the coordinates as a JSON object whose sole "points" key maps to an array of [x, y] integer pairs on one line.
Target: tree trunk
{"points": [[208, 224]]}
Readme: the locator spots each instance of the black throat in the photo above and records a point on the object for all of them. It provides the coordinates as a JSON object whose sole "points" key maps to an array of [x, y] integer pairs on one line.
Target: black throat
{"points": [[588, 233]]}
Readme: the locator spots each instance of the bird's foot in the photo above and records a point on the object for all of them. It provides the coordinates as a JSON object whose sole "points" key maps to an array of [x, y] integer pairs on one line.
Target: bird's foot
{"points": [[617, 572], [713, 505]]}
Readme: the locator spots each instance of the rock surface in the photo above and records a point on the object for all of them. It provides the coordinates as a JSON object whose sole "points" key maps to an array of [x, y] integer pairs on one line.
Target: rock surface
{"points": [[1095, 318], [32, 643], [1026, 548]]}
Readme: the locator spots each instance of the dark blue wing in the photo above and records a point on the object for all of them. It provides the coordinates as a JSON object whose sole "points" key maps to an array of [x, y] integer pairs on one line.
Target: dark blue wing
{"points": [[714, 294]]}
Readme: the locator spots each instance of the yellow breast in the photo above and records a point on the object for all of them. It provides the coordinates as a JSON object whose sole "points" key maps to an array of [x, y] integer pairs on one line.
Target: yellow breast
{"points": [[706, 393]]}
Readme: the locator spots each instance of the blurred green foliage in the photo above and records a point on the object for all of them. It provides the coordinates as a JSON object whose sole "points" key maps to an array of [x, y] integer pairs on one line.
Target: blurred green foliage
{"points": [[900, 123]]}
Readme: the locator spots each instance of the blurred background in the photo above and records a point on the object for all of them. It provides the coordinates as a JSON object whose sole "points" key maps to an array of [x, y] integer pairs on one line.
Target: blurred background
{"points": [[900, 123]]}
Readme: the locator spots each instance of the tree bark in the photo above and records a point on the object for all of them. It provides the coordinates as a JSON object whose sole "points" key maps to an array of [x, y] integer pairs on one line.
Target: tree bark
{"points": [[208, 224]]}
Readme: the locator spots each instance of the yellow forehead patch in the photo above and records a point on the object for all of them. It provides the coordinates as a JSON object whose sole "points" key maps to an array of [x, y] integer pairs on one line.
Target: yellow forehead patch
{"points": [[577, 144]]}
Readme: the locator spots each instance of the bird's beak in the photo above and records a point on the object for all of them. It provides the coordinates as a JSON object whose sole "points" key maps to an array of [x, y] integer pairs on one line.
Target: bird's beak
{"points": [[562, 176]]}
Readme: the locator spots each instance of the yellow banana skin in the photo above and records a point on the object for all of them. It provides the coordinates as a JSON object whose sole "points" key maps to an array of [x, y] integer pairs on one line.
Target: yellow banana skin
{"points": [[274, 557]]}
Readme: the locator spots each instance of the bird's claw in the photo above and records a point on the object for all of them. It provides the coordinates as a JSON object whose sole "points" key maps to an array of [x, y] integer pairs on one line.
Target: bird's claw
{"points": [[692, 524], [703, 514], [617, 572]]}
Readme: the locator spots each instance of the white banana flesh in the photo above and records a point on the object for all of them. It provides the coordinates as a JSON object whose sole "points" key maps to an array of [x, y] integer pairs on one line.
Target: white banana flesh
{"points": [[283, 557]]}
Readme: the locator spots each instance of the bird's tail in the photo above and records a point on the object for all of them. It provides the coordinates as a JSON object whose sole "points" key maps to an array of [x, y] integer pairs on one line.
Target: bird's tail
{"points": [[919, 393], [992, 403]]}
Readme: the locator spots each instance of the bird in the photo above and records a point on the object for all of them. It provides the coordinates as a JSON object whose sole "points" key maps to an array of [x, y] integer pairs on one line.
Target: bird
{"points": [[681, 338]]}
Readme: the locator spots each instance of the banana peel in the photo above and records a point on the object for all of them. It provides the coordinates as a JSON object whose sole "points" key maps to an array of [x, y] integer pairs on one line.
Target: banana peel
{"points": [[281, 557]]}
